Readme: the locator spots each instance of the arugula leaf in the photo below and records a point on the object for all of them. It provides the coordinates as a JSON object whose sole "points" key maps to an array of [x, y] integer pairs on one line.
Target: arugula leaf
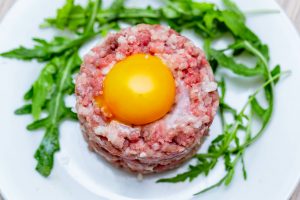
{"points": [[191, 174], [221, 146], [180, 6], [94, 7], [45, 153], [229, 63], [24, 110], [205, 19], [194, 171], [257, 108], [63, 14], [117, 5], [28, 95], [244, 168], [237, 26], [226, 179], [201, 8], [275, 72], [243, 45], [73, 20], [139, 13], [42, 89], [231, 6], [45, 51], [170, 13], [229, 177], [50, 143], [48, 92], [112, 13], [218, 184], [38, 124], [75, 17]]}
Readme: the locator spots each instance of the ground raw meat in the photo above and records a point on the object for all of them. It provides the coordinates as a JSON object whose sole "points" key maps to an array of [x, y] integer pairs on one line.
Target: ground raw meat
{"points": [[165, 143]]}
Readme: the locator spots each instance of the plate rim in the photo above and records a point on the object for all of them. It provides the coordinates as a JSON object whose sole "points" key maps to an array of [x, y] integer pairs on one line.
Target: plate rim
{"points": [[283, 14]]}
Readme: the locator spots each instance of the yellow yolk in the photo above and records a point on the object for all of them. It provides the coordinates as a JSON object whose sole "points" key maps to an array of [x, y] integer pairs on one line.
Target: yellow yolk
{"points": [[138, 90]]}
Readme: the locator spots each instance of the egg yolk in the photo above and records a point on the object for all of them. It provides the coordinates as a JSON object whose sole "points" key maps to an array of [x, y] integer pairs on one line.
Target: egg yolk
{"points": [[139, 90]]}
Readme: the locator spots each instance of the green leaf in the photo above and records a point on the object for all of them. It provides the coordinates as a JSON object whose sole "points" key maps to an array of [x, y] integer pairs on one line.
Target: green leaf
{"points": [[26, 54], [180, 6], [170, 13], [53, 102], [117, 5], [111, 14], [230, 5], [218, 139], [201, 8], [257, 108], [237, 26], [63, 14], [241, 45], [42, 89], [264, 50], [75, 20], [57, 109], [219, 183], [227, 107], [276, 71], [181, 177], [28, 95], [44, 51], [26, 109], [75, 17], [139, 13], [227, 162], [222, 86], [45, 153], [203, 167], [42, 123], [229, 177], [244, 168], [69, 114], [94, 7], [229, 63], [55, 82], [190, 174]]}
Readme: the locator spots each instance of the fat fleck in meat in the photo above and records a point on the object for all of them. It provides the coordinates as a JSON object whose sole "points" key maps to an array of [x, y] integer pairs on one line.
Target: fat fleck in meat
{"points": [[165, 143]]}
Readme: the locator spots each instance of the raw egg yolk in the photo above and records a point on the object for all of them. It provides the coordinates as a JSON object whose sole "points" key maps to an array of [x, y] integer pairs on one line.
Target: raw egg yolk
{"points": [[139, 90]]}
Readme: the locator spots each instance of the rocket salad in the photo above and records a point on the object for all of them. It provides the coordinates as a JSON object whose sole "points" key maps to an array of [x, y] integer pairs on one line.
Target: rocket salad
{"points": [[61, 61]]}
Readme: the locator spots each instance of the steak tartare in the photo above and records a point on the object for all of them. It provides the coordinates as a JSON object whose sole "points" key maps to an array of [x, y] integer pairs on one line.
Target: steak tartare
{"points": [[164, 143]]}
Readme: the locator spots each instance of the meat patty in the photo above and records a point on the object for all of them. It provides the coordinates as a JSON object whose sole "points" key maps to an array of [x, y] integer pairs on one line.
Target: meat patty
{"points": [[165, 143]]}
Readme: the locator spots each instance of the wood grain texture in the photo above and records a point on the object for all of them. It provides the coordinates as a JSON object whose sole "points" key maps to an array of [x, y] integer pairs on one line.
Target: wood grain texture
{"points": [[291, 7], [4, 7]]}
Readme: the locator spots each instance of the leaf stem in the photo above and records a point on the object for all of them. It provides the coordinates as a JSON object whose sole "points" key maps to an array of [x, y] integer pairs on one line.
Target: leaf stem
{"points": [[91, 22]]}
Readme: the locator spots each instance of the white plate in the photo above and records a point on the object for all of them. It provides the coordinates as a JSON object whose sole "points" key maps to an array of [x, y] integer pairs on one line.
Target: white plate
{"points": [[273, 163]]}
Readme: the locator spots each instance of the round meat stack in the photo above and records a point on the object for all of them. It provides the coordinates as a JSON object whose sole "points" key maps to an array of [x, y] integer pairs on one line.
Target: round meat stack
{"points": [[163, 144]]}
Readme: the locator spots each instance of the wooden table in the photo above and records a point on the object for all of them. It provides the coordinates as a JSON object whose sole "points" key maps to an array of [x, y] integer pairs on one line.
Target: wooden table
{"points": [[292, 8]]}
